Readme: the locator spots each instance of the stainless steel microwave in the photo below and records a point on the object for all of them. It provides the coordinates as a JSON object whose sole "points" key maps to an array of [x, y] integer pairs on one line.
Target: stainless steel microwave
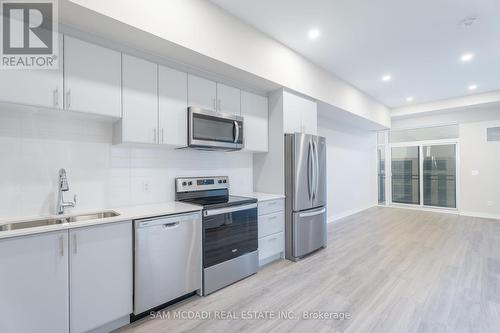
{"points": [[214, 130]]}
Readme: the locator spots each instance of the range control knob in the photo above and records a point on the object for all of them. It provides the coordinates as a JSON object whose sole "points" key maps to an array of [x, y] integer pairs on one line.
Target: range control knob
{"points": [[220, 181], [224, 181], [184, 183], [190, 183]]}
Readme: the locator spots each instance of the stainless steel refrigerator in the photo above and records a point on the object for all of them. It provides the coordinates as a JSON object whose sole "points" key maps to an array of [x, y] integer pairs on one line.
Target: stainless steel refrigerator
{"points": [[305, 189]]}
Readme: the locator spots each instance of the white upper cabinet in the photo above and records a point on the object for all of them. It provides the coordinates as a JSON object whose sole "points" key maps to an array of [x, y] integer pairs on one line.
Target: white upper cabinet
{"points": [[100, 274], [172, 107], [34, 284], [228, 99], [140, 101], [34, 87], [92, 78], [202, 93], [254, 109], [299, 114]]}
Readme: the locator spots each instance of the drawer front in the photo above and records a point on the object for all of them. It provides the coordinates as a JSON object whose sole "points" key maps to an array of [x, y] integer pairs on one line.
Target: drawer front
{"points": [[271, 206], [271, 245], [271, 224]]}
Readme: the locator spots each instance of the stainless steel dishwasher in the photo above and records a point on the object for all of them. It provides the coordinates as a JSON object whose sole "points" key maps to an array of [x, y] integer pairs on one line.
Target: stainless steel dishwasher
{"points": [[167, 259]]}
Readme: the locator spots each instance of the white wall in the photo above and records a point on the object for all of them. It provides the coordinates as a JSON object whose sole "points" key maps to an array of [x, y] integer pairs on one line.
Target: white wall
{"points": [[479, 195], [200, 26], [35, 145], [351, 163]]}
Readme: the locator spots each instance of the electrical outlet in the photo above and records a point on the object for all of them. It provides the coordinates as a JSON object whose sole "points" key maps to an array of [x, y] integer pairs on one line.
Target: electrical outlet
{"points": [[145, 187], [475, 172], [490, 203]]}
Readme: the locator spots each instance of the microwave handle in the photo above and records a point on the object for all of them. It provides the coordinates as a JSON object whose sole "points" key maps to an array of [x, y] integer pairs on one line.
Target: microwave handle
{"points": [[237, 135]]}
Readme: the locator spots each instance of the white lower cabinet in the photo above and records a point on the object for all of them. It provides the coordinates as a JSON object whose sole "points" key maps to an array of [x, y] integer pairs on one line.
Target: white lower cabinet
{"points": [[67, 281], [271, 231], [34, 284], [100, 275]]}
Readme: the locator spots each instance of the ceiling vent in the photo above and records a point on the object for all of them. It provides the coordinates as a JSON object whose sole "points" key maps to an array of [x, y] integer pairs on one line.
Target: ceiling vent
{"points": [[493, 134], [468, 22]]}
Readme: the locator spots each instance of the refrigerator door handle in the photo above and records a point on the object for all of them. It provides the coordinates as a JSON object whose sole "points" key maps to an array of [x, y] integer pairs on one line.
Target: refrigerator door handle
{"points": [[315, 176], [317, 169], [322, 211], [310, 171]]}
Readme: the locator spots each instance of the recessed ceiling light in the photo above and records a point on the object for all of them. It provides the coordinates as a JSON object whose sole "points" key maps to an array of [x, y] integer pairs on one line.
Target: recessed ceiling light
{"points": [[409, 99], [467, 57], [313, 34], [473, 87], [387, 78]]}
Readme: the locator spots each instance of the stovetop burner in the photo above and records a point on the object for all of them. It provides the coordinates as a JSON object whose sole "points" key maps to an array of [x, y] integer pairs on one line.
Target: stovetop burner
{"points": [[209, 192]]}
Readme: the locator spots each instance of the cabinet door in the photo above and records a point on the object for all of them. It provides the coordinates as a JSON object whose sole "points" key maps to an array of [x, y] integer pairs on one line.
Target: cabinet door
{"points": [[100, 275], [34, 87], [140, 100], [228, 99], [34, 284], [292, 113], [202, 93], [254, 110], [92, 78], [300, 114], [310, 118], [173, 107]]}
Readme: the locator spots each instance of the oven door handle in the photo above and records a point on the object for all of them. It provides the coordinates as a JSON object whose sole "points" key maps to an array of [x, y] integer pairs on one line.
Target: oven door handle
{"points": [[219, 211]]}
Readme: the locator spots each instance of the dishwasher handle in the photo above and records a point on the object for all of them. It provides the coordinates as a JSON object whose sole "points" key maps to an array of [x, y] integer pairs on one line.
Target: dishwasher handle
{"points": [[171, 225], [166, 221]]}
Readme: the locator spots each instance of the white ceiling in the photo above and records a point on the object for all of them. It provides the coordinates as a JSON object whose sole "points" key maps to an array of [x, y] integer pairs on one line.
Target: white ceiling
{"points": [[418, 42]]}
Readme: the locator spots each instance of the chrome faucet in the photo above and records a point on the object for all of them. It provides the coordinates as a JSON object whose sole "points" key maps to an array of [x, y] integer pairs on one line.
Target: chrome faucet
{"points": [[63, 187]]}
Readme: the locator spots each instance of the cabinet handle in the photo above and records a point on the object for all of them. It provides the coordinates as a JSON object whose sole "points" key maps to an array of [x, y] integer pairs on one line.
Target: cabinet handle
{"points": [[61, 246], [219, 104], [75, 244], [272, 218], [68, 99], [55, 96], [154, 135], [273, 239], [162, 136]]}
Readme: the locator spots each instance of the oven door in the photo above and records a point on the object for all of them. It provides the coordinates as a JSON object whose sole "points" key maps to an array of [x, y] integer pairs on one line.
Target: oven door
{"points": [[229, 233], [208, 129]]}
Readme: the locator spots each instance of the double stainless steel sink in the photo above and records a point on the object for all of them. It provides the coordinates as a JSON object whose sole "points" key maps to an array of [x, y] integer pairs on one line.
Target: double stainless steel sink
{"points": [[53, 221]]}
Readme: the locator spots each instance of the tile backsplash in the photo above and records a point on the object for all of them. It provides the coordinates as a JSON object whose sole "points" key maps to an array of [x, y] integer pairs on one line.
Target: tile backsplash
{"points": [[35, 145]]}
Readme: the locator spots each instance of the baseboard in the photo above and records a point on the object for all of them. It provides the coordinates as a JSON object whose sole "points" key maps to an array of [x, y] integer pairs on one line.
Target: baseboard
{"points": [[350, 212], [481, 215], [425, 209]]}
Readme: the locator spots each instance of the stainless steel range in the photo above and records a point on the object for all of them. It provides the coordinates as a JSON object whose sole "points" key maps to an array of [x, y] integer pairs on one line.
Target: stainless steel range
{"points": [[229, 223]]}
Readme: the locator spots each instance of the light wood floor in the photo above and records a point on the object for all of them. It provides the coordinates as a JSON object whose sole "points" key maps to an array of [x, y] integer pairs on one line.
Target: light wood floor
{"points": [[393, 270]]}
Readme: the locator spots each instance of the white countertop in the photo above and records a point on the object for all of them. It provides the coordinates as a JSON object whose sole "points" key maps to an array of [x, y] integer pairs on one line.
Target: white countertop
{"points": [[126, 214], [262, 196]]}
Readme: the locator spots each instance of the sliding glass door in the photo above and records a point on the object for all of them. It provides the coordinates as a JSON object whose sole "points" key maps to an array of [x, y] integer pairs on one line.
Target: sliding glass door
{"points": [[381, 174], [440, 175], [405, 167], [425, 175]]}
